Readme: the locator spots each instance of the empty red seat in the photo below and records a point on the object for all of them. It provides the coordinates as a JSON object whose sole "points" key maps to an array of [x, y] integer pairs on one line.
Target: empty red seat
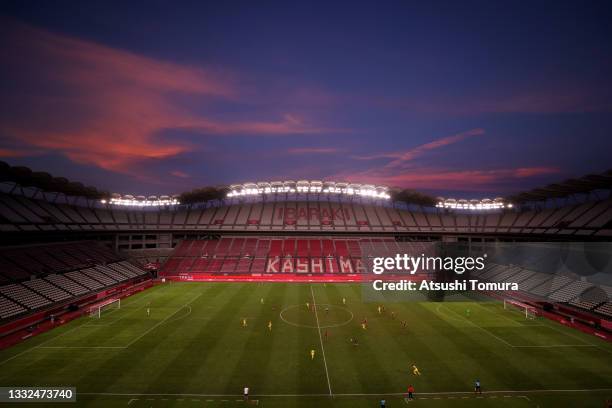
{"points": [[283, 255]]}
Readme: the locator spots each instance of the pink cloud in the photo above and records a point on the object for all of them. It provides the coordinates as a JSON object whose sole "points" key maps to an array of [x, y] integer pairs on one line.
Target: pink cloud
{"points": [[400, 172], [446, 179], [534, 171], [104, 106], [400, 158], [180, 174], [411, 154], [7, 152]]}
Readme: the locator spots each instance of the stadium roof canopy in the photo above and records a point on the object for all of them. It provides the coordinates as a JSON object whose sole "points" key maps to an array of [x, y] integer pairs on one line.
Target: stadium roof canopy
{"points": [[582, 185], [25, 177]]}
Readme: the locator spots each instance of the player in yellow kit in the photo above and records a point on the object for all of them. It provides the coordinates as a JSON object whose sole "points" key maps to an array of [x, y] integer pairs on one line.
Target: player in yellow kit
{"points": [[244, 322], [312, 354], [415, 370], [270, 325]]}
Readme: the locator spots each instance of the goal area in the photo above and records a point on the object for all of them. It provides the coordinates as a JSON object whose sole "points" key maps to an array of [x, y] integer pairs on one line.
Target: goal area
{"points": [[529, 311], [97, 309]]}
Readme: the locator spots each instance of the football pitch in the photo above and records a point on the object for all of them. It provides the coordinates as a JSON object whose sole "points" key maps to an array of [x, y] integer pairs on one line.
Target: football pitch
{"points": [[193, 351]]}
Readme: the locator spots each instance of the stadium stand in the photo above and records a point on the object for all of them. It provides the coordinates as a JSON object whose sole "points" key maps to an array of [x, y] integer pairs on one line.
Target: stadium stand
{"points": [[84, 280], [47, 289], [28, 214], [570, 291], [239, 255], [67, 284], [36, 277], [548, 287], [99, 276], [575, 292], [605, 309], [20, 263], [8, 308], [30, 295], [276, 233], [24, 296]]}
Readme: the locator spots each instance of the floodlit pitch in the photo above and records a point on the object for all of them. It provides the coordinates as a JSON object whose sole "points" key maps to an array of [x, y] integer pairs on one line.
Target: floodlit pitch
{"points": [[191, 349]]}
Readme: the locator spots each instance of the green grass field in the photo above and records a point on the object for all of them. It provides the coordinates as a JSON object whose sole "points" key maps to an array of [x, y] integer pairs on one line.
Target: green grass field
{"points": [[193, 352]]}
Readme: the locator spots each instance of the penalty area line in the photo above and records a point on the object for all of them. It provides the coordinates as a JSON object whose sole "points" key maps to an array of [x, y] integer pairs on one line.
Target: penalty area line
{"points": [[163, 321]]}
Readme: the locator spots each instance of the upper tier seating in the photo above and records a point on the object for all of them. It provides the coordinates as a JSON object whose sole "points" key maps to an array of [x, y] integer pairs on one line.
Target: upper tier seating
{"points": [[23, 214], [22, 263], [20, 298]]}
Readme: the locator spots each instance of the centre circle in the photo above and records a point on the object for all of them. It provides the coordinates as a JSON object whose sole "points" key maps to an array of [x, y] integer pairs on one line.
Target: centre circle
{"points": [[329, 316]]}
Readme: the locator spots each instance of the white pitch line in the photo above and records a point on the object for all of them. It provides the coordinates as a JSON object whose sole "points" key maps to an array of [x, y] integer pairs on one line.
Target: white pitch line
{"points": [[41, 344], [552, 327], [516, 323], [557, 345], [481, 328], [520, 346], [81, 347], [62, 334], [314, 304], [163, 321], [533, 391]]}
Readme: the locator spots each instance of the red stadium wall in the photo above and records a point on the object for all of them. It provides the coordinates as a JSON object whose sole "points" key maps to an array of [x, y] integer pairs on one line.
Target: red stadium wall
{"points": [[283, 277]]}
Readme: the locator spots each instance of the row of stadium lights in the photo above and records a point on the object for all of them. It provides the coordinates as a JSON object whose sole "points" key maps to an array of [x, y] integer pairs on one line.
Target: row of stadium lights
{"points": [[364, 190], [157, 202], [317, 187], [475, 205], [141, 201]]}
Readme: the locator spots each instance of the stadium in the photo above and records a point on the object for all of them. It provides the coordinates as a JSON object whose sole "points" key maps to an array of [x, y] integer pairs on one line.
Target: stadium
{"points": [[305, 204], [151, 293]]}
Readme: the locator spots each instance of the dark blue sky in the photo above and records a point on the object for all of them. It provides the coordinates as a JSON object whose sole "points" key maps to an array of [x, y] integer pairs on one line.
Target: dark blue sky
{"points": [[466, 99]]}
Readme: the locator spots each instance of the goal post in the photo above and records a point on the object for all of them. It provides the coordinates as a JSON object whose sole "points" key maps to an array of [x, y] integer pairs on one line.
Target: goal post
{"points": [[529, 311], [97, 309]]}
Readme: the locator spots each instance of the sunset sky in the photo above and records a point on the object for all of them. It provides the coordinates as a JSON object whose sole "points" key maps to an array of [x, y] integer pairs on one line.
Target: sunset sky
{"points": [[464, 99]]}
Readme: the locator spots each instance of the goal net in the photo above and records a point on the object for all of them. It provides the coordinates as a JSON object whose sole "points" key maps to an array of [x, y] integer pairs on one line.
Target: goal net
{"points": [[97, 309], [530, 312]]}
